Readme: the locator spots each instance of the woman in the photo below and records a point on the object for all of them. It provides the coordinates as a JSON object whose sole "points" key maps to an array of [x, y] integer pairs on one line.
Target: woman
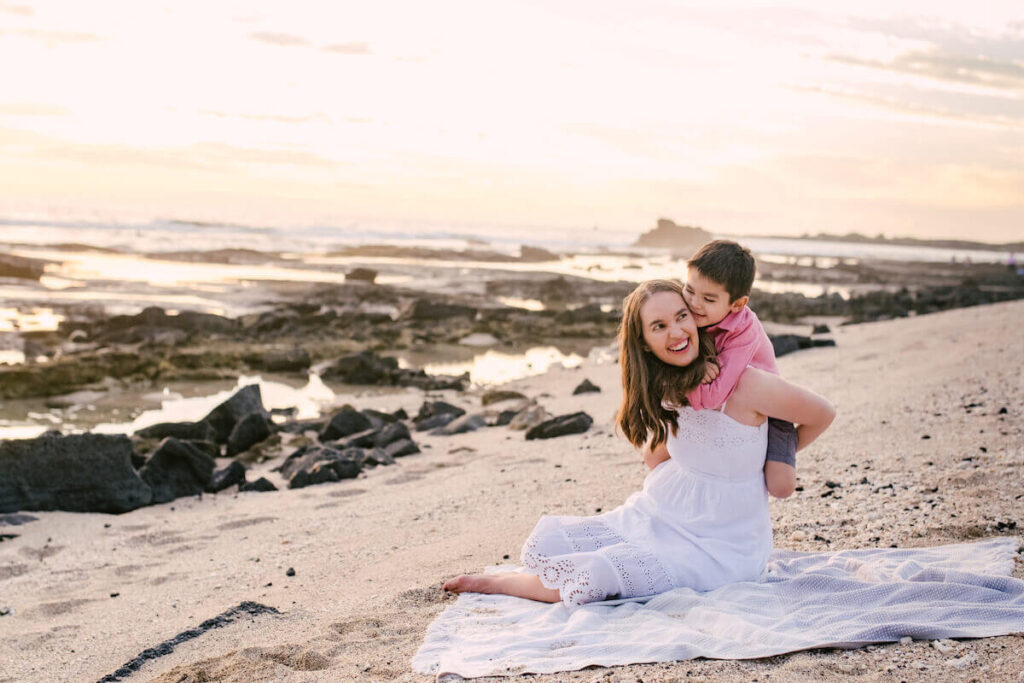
{"points": [[702, 519]]}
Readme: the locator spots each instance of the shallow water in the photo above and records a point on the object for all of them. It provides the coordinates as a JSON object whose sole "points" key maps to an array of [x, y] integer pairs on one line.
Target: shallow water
{"points": [[126, 411]]}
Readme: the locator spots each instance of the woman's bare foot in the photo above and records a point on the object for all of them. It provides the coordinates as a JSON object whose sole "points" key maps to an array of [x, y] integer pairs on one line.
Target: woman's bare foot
{"points": [[469, 583], [504, 583]]}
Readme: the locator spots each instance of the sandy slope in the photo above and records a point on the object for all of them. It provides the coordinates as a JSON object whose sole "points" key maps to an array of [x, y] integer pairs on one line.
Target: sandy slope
{"points": [[370, 554]]}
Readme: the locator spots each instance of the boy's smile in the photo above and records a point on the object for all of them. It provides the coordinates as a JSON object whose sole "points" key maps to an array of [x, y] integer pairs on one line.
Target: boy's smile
{"points": [[708, 300]]}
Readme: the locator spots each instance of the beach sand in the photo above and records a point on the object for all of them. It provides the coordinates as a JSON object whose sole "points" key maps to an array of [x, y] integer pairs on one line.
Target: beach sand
{"points": [[929, 416]]}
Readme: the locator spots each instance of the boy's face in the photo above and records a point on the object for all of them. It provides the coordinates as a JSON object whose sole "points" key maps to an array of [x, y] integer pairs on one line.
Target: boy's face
{"points": [[708, 300]]}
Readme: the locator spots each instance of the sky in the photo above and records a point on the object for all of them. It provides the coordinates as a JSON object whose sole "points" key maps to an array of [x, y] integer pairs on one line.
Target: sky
{"points": [[755, 118]]}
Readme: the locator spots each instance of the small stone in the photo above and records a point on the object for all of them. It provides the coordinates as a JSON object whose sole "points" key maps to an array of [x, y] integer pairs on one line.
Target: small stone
{"points": [[114, 595], [941, 646], [290, 572], [6, 611], [798, 535], [925, 437], [962, 662], [906, 640], [586, 387]]}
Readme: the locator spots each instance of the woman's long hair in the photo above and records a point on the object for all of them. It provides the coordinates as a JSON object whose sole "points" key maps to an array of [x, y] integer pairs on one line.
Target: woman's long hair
{"points": [[647, 381]]}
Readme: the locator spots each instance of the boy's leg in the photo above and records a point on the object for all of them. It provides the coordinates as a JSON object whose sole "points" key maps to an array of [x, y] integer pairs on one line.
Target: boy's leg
{"points": [[782, 440], [780, 460]]}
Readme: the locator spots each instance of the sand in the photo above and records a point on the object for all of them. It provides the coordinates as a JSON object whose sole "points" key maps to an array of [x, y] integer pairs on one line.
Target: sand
{"points": [[920, 407]]}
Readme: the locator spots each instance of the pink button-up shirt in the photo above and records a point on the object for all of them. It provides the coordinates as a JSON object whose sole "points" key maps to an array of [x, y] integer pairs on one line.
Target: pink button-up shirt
{"points": [[740, 341]]}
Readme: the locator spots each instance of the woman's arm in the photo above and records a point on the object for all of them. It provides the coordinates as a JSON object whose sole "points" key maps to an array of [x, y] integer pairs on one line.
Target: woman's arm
{"points": [[654, 455], [762, 392]]}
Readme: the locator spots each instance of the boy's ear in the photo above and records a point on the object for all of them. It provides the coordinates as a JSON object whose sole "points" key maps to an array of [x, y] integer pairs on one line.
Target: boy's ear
{"points": [[738, 304]]}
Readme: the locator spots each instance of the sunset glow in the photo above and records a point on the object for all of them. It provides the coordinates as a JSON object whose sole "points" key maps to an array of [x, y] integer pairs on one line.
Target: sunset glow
{"points": [[743, 117]]}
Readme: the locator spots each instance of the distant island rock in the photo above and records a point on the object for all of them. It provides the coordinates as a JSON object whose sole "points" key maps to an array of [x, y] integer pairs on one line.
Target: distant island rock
{"points": [[683, 240]]}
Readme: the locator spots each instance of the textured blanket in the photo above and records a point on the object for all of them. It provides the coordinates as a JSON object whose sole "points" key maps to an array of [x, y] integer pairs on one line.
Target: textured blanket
{"points": [[843, 599]]}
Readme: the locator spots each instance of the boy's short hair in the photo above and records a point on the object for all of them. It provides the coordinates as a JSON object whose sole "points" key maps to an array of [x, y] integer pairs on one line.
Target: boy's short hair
{"points": [[728, 264]]}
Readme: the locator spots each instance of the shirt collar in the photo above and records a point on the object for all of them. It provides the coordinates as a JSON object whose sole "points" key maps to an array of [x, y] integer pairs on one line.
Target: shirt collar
{"points": [[732, 321]]}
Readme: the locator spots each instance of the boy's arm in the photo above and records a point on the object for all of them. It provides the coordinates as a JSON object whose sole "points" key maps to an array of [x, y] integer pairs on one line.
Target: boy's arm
{"points": [[735, 351]]}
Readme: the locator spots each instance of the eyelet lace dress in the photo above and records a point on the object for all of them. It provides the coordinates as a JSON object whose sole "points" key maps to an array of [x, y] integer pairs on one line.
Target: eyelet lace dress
{"points": [[700, 521]]}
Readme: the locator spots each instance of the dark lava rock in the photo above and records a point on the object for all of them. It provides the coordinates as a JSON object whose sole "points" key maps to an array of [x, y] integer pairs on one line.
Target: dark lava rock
{"points": [[365, 367], [16, 519], [21, 267], [280, 360], [198, 431], [788, 343], [505, 417], [346, 421], [78, 473], [401, 448], [318, 473], [431, 408], [461, 425], [586, 387], [498, 395], [821, 329], [248, 432], [301, 426], [391, 433], [425, 309], [379, 418], [261, 485], [363, 439], [576, 423], [435, 421], [372, 457], [224, 417], [176, 469], [208, 447], [290, 572], [320, 464], [228, 476], [361, 275]]}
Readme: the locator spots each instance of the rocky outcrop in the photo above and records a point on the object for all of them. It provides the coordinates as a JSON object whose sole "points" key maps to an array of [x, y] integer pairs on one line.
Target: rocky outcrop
{"points": [[20, 267], [176, 469], [681, 239], [321, 464], [78, 473], [586, 387], [246, 401], [366, 367], [576, 423]]}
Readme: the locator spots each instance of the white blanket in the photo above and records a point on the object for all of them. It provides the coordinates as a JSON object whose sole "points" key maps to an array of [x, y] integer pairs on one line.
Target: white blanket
{"points": [[843, 599]]}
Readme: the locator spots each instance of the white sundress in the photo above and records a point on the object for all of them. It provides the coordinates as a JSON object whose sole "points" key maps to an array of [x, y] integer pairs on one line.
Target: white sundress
{"points": [[701, 521]]}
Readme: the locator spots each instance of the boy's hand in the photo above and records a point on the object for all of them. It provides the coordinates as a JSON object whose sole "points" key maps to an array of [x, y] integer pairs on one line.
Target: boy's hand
{"points": [[711, 371]]}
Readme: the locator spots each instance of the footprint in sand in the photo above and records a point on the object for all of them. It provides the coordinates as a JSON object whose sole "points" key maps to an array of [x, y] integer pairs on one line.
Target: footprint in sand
{"points": [[53, 609], [42, 553], [240, 523]]}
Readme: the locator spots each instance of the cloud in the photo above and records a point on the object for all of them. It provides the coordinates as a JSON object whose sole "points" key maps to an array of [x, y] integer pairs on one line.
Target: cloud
{"points": [[31, 109], [904, 106], [349, 48], [945, 65], [16, 9], [52, 38], [282, 39], [276, 118], [202, 156]]}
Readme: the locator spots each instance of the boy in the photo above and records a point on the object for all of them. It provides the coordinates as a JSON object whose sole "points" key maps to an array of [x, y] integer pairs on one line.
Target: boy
{"points": [[719, 278]]}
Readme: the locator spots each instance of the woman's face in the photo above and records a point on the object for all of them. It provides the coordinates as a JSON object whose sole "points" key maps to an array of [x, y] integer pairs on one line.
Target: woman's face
{"points": [[670, 332]]}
